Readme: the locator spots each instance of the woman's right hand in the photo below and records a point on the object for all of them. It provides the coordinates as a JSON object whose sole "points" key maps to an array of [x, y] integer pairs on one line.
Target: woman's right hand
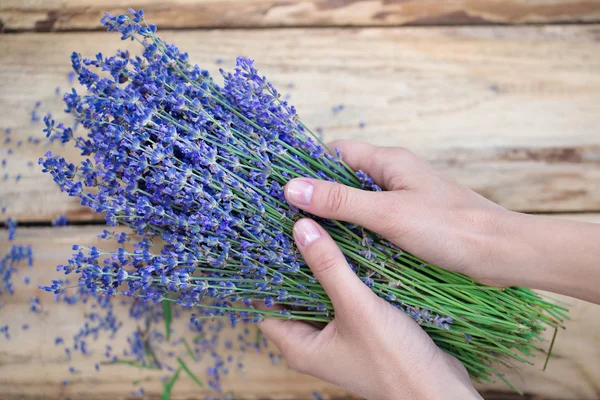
{"points": [[429, 215], [421, 210]]}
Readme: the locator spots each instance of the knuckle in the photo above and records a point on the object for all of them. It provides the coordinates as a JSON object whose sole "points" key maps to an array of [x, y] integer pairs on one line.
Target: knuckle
{"points": [[385, 153], [395, 162], [402, 152], [397, 181], [325, 263], [382, 152], [389, 212], [336, 198], [395, 154]]}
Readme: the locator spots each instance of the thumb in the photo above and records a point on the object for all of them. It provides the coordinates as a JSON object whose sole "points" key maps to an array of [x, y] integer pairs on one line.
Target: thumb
{"points": [[372, 210], [299, 342], [327, 262]]}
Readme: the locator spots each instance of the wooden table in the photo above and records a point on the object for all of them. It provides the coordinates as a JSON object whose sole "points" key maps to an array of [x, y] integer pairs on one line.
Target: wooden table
{"points": [[504, 96]]}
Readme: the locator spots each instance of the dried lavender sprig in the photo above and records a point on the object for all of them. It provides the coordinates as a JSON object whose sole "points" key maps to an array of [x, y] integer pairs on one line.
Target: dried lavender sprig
{"points": [[9, 265], [203, 167]]}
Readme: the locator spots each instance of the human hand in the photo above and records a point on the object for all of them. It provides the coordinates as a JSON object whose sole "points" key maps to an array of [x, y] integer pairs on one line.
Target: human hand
{"points": [[370, 348], [421, 210]]}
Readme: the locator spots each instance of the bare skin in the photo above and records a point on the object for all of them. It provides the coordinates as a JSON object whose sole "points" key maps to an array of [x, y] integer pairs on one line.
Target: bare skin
{"points": [[371, 348]]}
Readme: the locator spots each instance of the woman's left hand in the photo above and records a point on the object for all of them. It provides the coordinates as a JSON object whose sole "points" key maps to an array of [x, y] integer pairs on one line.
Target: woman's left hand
{"points": [[370, 348]]}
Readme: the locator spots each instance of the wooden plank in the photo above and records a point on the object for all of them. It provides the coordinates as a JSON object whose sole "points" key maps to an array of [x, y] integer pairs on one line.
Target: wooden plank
{"points": [[31, 366], [511, 112], [85, 14]]}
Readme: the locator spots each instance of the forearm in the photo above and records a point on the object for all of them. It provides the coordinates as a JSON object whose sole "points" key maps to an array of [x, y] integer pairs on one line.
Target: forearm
{"points": [[550, 254]]}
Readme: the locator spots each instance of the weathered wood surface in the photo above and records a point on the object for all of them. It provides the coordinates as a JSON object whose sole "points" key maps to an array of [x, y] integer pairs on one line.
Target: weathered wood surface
{"points": [[85, 14], [510, 111], [31, 366]]}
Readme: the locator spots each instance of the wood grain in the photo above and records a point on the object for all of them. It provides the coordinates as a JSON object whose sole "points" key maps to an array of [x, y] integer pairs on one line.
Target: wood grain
{"points": [[31, 366], [510, 112], [85, 14]]}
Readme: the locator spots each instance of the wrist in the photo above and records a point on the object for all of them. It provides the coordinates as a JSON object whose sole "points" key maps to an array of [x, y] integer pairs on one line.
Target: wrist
{"points": [[549, 253], [526, 252], [510, 251], [490, 246], [506, 250]]}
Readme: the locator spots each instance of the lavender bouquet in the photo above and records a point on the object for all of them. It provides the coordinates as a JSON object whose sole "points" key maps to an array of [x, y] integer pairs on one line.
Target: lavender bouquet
{"points": [[197, 170]]}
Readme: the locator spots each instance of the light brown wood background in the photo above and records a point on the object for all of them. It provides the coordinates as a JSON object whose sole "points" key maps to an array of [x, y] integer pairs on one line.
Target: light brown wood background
{"points": [[85, 14], [506, 100]]}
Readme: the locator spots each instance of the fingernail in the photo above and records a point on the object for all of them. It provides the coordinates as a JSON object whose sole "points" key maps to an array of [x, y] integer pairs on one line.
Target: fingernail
{"points": [[299, 192], [306, 232]]}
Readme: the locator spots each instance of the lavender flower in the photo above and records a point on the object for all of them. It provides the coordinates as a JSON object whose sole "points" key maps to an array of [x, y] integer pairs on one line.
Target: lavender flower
{"points": [[338, 108], [201, 168], [60, 220], [9, 264], [11, 225], [4, 331], [34, 305]]}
